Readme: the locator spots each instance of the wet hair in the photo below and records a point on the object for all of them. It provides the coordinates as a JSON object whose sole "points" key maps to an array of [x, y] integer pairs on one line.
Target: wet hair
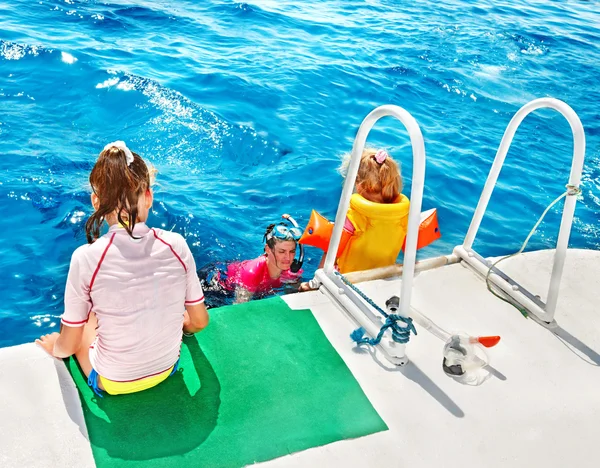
{"points": [[384, 178], [273, 240], [118, 187]]}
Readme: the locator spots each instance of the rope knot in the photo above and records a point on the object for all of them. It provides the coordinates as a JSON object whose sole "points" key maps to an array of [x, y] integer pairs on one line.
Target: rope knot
{"points": [[573, 190], [400, 334]]}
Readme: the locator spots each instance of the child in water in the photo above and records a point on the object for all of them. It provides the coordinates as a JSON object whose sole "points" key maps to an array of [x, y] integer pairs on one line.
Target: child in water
{"points": [[377, 218], [271, 270], [131, 292], [378, 215]]}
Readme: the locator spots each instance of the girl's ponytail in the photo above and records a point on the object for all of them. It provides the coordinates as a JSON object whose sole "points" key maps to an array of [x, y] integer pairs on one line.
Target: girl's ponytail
{"points": [[390, 180], [118, 178]]}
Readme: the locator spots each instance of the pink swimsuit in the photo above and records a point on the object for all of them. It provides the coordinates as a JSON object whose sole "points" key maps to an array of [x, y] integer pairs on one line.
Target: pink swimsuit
{"points": [[253, 275]]}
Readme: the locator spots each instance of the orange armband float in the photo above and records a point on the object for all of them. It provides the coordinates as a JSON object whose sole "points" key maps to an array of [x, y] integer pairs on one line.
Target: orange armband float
{"points": [[319, 229], [429, 229], [318, 232]]}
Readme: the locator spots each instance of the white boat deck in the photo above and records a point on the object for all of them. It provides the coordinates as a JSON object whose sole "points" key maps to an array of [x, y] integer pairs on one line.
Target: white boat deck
{"points": [[540, 407]]}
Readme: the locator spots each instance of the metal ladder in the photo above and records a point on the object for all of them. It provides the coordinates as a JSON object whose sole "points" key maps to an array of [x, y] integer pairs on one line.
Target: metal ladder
{"points": [[331, 284], [533, 304]]}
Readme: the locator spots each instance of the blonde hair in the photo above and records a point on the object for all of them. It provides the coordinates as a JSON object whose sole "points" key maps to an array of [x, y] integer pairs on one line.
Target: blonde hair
{"points": [[384, 179]]}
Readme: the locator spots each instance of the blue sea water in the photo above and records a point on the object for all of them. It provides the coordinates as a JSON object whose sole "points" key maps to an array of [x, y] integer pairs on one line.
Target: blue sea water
{"points": [[246, 108]]}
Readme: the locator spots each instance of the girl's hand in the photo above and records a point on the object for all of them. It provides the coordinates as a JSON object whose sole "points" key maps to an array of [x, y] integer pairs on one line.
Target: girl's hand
{"points": [[46, 342], [309, 286], [186, 323]]}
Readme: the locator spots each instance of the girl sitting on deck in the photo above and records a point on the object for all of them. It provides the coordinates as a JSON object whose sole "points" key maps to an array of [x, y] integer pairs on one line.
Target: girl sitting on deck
{"points": [[130, 292]]}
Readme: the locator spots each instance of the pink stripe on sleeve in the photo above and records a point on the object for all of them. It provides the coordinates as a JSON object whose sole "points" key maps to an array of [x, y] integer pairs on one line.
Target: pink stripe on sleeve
{"points": [[100, 262], [195, 301], [172, 250], [74, 324]]}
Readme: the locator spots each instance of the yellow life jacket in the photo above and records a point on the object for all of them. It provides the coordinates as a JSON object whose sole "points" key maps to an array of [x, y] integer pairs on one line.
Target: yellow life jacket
{"points": [[379, 232]]}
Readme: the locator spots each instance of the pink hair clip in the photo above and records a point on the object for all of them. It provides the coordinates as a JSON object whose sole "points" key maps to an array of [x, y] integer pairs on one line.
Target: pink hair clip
{"points": [[381, 156]]}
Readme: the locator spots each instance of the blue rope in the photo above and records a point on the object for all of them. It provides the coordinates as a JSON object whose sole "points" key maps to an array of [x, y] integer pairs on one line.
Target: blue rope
{"points": [[399, 334]]}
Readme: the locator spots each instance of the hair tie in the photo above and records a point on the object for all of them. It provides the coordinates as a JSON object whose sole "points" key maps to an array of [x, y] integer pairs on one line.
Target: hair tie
{"points": [[123, 147], [381, 156]]}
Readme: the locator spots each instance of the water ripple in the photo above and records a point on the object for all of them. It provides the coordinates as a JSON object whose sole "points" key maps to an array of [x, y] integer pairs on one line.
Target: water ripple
{"points": [[246, 107]]}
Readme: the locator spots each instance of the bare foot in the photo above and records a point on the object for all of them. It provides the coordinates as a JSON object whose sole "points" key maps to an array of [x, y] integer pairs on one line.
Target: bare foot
{"points": [[46, 342]]}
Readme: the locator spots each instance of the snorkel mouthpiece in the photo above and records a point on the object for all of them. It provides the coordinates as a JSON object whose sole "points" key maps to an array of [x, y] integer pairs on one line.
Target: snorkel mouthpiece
{"points": [[297, 263]]}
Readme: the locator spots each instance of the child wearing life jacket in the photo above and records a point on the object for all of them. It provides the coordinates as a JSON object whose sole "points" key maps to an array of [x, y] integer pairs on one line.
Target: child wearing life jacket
{"points": [[376, 222], [378, 215], [272, 269], [130, 292]]}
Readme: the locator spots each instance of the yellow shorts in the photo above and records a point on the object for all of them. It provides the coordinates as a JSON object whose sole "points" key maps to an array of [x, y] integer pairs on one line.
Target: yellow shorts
{"points": [[120, 388]]}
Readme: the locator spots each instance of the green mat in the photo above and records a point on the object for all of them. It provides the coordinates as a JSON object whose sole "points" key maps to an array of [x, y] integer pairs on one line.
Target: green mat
{"points": [[261, 381]]}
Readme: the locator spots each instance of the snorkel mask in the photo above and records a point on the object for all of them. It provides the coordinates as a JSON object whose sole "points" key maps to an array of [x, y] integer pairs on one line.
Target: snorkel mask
{"points": [[463, 359], [283, 232]]}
